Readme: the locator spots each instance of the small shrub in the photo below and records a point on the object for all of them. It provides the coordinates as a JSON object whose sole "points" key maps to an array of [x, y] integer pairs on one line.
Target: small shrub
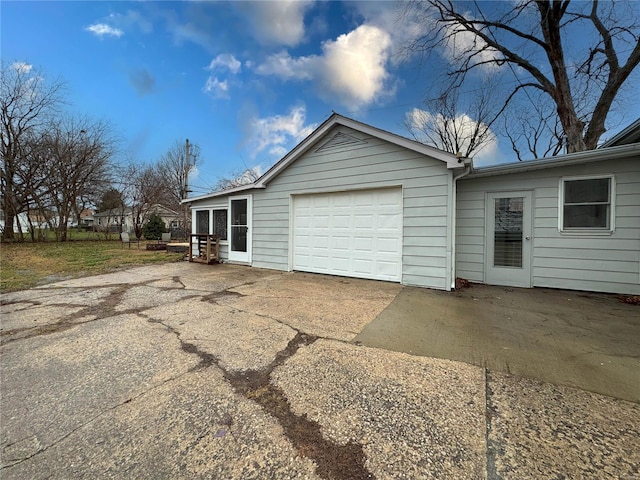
{"points": [[154, 228]]}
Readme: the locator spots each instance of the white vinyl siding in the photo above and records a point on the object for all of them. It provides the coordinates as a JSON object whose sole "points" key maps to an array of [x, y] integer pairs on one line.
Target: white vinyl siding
{"points": [[371, 164], [593, 262]]}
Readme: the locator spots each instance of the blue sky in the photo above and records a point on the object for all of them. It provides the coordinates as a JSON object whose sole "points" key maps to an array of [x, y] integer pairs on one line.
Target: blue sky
{"points": [[245, 81]]}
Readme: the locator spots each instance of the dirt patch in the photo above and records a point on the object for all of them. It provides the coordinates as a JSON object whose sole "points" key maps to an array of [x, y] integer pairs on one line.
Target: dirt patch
{"points": [[215, 297], [104, 309], [333, 461], [631, 300]]}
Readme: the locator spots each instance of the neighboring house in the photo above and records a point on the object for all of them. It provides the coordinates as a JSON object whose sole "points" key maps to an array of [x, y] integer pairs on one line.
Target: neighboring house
{"points": [[171, 218], [115, 218], [21, 221], [86, 218], [357, 201]]}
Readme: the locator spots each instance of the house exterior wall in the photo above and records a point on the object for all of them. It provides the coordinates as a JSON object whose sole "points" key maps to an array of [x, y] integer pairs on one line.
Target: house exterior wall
{"points": [[374, 164], [371, 163], [579, 261]]}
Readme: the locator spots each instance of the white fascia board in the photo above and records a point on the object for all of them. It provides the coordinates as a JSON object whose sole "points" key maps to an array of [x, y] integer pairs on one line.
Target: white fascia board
{"points": [[336, 119], [610, 153], [221, 193]]}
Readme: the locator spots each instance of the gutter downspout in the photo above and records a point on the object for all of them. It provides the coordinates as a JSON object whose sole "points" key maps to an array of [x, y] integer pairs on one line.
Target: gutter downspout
{"points": [[468, 166]]}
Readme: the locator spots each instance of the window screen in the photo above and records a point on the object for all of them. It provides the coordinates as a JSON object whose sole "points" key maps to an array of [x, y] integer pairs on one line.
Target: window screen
{"points": [[202, 221], [587, 204], [220, 223]]}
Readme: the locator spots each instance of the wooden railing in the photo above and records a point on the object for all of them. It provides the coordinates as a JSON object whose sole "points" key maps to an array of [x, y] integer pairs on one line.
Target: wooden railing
{"points": [[208, 248]]}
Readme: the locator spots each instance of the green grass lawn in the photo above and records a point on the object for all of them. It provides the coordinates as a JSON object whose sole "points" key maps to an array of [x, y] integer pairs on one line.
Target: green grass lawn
{"points": [[26, 265]]}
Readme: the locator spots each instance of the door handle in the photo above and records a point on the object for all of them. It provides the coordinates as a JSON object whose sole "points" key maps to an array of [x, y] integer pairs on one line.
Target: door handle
{"points": [[527, 238]]}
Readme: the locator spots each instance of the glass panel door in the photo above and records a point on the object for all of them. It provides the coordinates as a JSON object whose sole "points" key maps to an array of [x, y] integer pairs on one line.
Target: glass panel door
{"points": [[508, 234], [239, 225], [239, 229], [508, 242]]}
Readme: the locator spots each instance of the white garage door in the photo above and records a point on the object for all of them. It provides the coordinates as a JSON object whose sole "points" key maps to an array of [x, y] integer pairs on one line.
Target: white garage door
{"points": [[353, 234]]}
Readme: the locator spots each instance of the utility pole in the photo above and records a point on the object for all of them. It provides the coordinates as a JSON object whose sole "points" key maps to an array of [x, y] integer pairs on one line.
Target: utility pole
{"points": [[185, 191]]}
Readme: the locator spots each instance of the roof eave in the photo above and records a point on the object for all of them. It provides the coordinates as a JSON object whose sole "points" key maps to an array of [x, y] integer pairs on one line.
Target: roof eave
{"points": [[221, 193], [609, 153], [627, 135]]}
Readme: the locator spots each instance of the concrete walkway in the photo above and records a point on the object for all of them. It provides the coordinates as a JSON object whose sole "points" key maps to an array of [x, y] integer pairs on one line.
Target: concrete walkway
{"points": [[193, 371]]}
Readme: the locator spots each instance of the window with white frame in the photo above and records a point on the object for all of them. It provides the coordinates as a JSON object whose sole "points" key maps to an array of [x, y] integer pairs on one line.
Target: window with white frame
{"points": [[220, 223], [202, 221], [587, 204], [219, 217]]}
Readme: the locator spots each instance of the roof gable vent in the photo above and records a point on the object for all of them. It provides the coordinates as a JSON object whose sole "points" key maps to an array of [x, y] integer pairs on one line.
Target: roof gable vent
{"points": [[340, 140]]}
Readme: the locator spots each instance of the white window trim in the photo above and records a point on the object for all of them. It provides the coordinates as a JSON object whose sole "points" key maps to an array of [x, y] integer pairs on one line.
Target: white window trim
{"points": [[222, 242], [210, 210], [612, 207]]}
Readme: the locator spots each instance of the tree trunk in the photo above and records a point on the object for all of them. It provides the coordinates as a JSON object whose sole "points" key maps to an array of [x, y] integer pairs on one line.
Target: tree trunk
{"points": [[9, 220]]}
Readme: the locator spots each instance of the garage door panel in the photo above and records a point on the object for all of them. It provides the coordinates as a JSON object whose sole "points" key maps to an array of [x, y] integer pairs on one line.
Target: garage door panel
{"points": [[388, 221], [355, 234], [363, 221], [341, 220], [363, 244], [389, 246]]}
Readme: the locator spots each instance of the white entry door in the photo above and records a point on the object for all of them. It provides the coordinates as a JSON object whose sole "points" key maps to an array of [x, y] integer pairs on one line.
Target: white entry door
{"points": [[240, 229], [508, 227], [351, 234]]}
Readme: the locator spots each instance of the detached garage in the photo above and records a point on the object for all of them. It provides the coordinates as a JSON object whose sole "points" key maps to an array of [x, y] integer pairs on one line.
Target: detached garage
{"points": [[350, 200], [356, 201]]}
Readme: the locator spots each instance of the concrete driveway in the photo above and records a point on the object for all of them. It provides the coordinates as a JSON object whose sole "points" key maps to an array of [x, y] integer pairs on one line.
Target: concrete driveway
{"points": [[193, 371]]}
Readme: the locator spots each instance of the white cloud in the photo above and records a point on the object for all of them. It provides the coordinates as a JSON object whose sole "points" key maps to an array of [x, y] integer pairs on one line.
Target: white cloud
{"points": [[461, 43], [352, 69], [280, 23], [286, 67], [214, 86], [22, 67], [419, 120], [356, 65], [225, 60], [102, 29], [131, 19], [279, 133]]}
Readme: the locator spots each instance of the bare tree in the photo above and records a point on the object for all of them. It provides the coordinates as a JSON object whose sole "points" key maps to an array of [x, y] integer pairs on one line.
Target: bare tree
{"points": [[27, 102], [534, 130], [175, 167], [463, 130], [238, 179], [532, 38], [76, 154], [145, 187]]}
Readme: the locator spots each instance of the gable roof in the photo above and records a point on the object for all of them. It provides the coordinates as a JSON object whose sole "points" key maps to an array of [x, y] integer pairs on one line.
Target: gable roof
{"points": [[310, 141], [450, 159]]}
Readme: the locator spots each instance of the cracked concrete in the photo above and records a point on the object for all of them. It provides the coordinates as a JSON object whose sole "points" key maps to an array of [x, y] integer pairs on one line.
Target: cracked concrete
{"points": [[192, 371]]}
